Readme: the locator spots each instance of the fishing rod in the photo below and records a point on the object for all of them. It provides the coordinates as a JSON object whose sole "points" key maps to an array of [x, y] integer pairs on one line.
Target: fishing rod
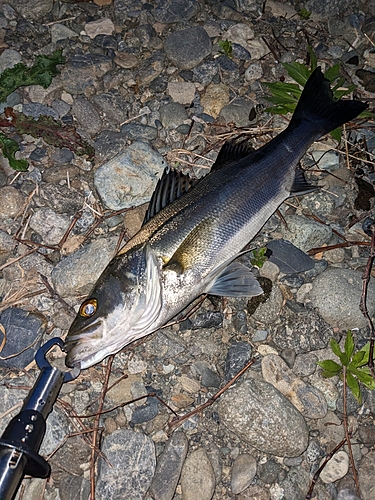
{"points": [[21, 440]]}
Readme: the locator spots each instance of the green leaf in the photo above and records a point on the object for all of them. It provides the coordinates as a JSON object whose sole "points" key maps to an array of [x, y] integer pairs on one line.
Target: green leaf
{"points": [[298, 72], [333, 72], [335, 348], [8, 148], [282, 109], [365, 378], [304, 14], [330, 366], [353, 385], [336, 134], [349, 344], [41, 73], [313, 59], [357, 359]]}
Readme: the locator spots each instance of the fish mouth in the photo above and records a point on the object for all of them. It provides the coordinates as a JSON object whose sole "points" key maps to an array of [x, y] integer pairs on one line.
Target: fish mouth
{"points": [[83, 346]]}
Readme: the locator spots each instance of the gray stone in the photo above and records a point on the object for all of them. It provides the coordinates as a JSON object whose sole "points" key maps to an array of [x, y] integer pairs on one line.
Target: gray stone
{"points": [[336, 294], [108, 143], [237, 112], [268, 311], [313, 452], [209, 378], [319, 203], [24, 332], [261, 416], [74, 488], [366, 476], [35, 110], [172, 115], [165, 345], [137, 131], [78, 272], [305, 364], [197, 477], [113, 105], [169, 466], [175, 11], [238, 355], [336, 468], [187, 48], [86, 115], [6, 246], [326, 160], [11, 201], [32, 10], [129, 178], [61, 32], [288, 257], [303, 332], [50, 226], [151, 68], [205, 72], [83, 72], [296, 484], [62, 199], [8, 59], [306, 398], [58, 427], [305, 233], [243, 472], [132, 462]]}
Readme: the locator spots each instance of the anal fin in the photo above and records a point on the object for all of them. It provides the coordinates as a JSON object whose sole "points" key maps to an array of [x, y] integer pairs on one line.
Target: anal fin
{"points": [[236, 280], [300, 185]]}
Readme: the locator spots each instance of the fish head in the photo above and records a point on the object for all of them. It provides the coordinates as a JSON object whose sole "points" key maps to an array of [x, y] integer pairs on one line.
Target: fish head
{"points": [[123, 306]]}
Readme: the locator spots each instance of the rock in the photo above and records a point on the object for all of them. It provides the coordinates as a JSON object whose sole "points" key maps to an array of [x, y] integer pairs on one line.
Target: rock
{"points": [[175, 11], [108, 143], [62, 199], [303, 333], [137, 131], [319, 203], [61, 32], [268, 311], [241, 34], [11, 201], [103, 26], [8, 59], [336, 468], [326, 160], [205, 72], [288, 257], [280, 9], [130, 177], [366, 476], [260, 415], [181, 92], [151, 68], [50, 226], [87, 116], [238, 355], [305, 364], [6, 246], [197, 477], [255, 492], [125, 60], [209, 378], [77, 273], [135, 450], [76, 487], [83, 72], [215, 98], [23, 332], [307, 399], [243, 472], [187, 48], [111, 104], [33, 10], [336, 294], [305, 233], [257, 48], [327, 388], [169, 466], [237, 112], [172, 115], [254, 72]]}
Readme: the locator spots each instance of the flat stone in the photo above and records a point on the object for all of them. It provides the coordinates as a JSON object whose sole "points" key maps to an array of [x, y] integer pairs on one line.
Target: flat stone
{"points": [[240, 33], [197, 477], [260, 415], [23, 336], [49, 225], [254, 72], [255, 492], [288, 257], [83, 72], [175, 11], [326, 160], [103, 26], [280, 9], [6, 246], [125, 60], [336, 294], [172, 115], [137, 451], [306, 398], [61, 32], [238, 355], [187, 48], [77, 273], [216, 96], [11, 201], [169, 466], [86, 115], [305, 364], [305, 233], [237, 112], [181, 92], [336, 468], [366, 476], [62, 199], [268, 311], [9, 58], [137, 131], [319, 203], [243, 472], [129, 178], [32, 10], [112, 105]]}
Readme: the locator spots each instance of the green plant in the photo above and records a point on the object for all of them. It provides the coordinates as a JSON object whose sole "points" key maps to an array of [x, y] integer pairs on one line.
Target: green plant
{"points": [[352, 363], [258, 257], [226, 47], [8, 147], [285, 95], [304, 14]]}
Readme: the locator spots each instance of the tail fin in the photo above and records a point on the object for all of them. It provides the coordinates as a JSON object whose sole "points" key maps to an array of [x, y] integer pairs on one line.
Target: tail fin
{"points": [[318, 106]]}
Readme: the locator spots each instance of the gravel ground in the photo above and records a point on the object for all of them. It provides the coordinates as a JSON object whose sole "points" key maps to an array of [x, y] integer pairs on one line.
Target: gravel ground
{"points": [[146, 84]]}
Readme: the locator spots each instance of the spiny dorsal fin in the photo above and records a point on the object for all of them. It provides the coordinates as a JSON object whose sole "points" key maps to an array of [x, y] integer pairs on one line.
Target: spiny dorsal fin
{"points": [[300, 184], [232, 151], [169, 188]]}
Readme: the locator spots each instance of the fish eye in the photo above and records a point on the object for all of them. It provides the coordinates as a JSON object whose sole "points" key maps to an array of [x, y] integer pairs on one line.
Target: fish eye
{"points": [[88, 308]]}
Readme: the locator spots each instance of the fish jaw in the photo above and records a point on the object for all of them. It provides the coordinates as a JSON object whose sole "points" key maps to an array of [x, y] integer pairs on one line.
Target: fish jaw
{"points": [[129, 300]]}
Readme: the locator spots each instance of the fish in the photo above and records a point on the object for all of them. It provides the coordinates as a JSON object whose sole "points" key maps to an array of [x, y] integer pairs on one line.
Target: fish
{"points": [[192, 235]]}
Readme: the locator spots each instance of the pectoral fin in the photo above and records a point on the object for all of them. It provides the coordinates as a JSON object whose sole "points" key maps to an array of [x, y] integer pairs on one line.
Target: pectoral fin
{"points": [[236, 280]]}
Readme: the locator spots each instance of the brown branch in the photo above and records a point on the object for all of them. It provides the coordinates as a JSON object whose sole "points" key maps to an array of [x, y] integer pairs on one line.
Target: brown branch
{"points": [[56, 296], [346, 244]]}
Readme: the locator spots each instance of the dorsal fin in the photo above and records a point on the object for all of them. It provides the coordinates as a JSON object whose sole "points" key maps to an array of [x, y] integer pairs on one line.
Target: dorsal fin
{"points": [[169, 188], [232, 151]]}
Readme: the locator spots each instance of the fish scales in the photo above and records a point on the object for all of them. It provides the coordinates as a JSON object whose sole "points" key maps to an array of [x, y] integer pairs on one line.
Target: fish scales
{"points": [[189, 247]]}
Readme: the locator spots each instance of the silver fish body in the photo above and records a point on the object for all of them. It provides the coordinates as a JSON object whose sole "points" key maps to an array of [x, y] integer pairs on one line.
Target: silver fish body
{"points": [[189, 246]]}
